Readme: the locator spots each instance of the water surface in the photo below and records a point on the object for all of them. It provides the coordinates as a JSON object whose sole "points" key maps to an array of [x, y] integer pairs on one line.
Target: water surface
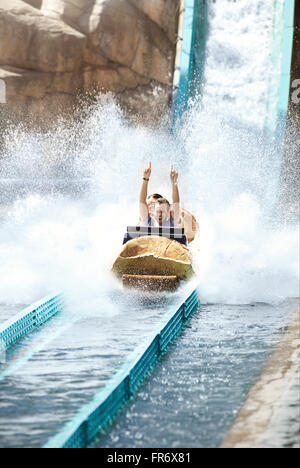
{"points": [[197, 389]]}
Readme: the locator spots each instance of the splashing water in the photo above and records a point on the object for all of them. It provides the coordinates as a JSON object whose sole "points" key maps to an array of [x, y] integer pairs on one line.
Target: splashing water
{"points": [[68, 194], [68, 241], [238, 59]]}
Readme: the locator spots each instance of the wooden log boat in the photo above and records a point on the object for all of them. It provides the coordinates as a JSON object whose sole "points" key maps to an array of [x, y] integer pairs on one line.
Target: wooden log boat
{"points": [[156, 261]]}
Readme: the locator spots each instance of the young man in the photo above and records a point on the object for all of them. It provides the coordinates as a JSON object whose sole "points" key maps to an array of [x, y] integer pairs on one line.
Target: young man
{"points": [[156, 210]]}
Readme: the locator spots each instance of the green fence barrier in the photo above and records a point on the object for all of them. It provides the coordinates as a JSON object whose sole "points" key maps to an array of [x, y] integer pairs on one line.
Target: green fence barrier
{"points": [[29, 319], [95, 417]]}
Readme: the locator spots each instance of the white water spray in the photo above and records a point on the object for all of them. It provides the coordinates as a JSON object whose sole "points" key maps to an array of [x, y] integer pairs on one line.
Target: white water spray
{"points": [[64, 234]]}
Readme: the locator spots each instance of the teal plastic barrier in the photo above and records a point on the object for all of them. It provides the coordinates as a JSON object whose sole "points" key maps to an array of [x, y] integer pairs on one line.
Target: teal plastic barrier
{"points": [[280, 69], [29, 319], [95, 417]]}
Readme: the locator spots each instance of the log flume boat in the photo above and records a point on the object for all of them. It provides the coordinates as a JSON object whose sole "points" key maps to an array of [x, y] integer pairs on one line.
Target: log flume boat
{"points": [[157, 258]]}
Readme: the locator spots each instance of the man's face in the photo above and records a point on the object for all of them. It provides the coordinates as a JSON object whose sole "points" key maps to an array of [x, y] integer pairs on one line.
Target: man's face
{"points": [[161, 212], [151, 205]]}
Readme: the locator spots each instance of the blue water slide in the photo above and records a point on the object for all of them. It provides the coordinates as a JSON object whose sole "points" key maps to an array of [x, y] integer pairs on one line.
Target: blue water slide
{"points": [[280, 68], [190, 56]]}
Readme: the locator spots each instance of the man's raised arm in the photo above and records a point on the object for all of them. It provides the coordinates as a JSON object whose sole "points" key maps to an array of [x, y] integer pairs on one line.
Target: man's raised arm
{"points": [[175, 195], [144, 192]]}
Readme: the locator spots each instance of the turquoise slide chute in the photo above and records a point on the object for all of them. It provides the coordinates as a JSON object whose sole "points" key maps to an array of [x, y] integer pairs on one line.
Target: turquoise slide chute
{"points": [[280, 68], [190, 57]]}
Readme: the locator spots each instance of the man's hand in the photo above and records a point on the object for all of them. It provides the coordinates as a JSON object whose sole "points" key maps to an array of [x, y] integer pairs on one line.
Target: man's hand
{"points": [[147, 172], [173, 176]]}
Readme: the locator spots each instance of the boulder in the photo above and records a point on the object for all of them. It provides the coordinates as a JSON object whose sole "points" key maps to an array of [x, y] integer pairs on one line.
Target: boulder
{"points": [[35, 3], [153, 255], [125, 36], [30, 40], [164, 14], [69, 10], [50, 50]]}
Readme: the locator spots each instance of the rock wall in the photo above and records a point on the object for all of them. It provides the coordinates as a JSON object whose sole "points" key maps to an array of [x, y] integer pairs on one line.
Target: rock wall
{"points": [[294, 104], [51, 50], [290, 184]]}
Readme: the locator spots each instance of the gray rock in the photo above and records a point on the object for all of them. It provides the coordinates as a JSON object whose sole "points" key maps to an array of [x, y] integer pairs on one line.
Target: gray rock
{"points": [[52, 49]]}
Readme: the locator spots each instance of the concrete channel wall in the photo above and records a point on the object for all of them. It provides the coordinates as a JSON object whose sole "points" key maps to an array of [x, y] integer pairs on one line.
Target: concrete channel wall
{"points": [[270, 418]]}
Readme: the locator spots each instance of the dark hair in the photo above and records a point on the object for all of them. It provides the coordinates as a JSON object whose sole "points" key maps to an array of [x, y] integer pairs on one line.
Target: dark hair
{"points": [[162, 201], [156, 196]]}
